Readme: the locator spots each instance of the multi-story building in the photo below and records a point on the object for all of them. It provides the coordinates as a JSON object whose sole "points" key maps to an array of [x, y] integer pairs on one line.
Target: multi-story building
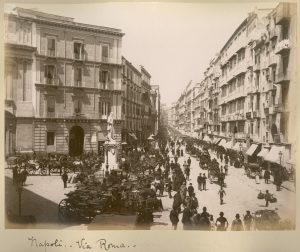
{"points": [[146, 105], [63, 79], [131, 103], [248, 91]]}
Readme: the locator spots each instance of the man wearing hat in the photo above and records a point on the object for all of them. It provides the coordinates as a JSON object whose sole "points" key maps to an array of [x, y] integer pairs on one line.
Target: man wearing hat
{"points": [[222, 223], [248, 220], [190, 189], [237, 224]]}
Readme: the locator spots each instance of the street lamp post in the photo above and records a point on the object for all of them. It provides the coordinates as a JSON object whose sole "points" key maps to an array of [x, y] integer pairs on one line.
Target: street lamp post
{"points": [[19, 190]]}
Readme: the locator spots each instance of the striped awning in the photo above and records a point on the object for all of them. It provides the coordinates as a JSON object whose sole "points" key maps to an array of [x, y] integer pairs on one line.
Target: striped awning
{"points": [[222, 143], [252, 149]]}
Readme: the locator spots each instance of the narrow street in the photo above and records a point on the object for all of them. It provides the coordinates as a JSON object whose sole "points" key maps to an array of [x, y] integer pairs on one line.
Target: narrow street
{"points": [[241, 195]]}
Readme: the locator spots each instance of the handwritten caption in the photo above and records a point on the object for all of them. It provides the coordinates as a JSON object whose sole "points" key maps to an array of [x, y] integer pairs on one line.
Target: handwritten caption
{"points": [[82, 244]]}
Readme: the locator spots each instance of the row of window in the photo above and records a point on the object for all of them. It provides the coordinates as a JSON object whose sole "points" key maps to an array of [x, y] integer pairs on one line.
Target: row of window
{"points": [[79, 51], [104, 107], [50, 75]]}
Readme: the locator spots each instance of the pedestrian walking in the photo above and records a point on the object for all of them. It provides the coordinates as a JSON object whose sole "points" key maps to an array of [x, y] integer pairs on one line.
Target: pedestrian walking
{"points": [[174, 218], [204, 178], [278, 180], [267, 176], [257, 177], [189, 161], [187, 172], [169, 188], [221, 223], [190, 189], [248, 219], [267, 198], [64, 178], [183, 191], [221, 194], [237, 224], [199, 181], [226, 169]]}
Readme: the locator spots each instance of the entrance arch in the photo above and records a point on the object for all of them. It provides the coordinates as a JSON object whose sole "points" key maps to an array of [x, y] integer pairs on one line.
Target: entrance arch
{"points": [[76, 140]]}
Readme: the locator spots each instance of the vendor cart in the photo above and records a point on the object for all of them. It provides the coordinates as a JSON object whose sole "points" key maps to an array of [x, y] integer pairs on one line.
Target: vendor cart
{"points": [[252, 169]]}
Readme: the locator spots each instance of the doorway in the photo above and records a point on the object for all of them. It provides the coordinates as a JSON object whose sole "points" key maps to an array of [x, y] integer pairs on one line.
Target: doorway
{"points": [[76, 141]]}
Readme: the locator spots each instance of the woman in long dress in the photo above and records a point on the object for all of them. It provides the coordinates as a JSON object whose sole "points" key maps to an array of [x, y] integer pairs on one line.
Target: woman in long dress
{"points": [[257, 178]]}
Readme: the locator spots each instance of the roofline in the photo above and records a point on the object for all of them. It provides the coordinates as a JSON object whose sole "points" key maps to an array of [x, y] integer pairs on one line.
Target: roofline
{"points": [[132, 66], [41, 17], [234, 33], [145, 71]]}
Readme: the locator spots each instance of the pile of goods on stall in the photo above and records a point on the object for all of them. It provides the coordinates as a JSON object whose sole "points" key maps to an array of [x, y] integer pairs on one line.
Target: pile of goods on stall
{"points": [[272, 198]]}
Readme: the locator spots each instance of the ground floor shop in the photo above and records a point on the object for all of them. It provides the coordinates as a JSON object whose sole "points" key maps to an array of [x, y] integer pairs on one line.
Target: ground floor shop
{"points": [[71, 136]]}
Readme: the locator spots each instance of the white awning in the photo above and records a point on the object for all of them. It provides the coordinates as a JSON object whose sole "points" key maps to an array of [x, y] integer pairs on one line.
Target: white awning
{"points": [[216, 139], [207, 139], [263, 152], [277, 154], [222, 143], [229, 145], [252, 149]]}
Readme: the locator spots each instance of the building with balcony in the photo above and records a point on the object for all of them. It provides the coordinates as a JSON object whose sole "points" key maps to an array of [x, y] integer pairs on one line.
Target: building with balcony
{"points": [[131, 103], [63, 78], [248, 93]]}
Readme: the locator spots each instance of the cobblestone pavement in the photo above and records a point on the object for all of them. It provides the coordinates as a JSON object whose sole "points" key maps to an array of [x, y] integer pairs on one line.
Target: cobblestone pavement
{"points": [[241, 195]]}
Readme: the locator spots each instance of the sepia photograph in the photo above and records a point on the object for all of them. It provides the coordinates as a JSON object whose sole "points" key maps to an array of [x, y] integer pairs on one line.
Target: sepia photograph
{"points": [[150, 116]]}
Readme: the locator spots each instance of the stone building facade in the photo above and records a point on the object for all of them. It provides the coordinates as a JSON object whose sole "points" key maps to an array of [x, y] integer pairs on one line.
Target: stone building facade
{"points": [[248, 93], [63, 78]]}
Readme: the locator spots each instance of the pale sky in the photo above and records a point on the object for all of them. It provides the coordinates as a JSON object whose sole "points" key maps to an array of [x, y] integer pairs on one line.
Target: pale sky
{"points": [[173, 41]]}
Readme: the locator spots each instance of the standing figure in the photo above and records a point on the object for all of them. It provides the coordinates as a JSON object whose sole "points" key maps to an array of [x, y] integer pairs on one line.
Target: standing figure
{"points": [[174, 218], [64, 178], [204, 178], [199, 181], [237, 224], [189, 161], [267, 198], [267, 176], [221, 194], [248, 220], [221, 223]]}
